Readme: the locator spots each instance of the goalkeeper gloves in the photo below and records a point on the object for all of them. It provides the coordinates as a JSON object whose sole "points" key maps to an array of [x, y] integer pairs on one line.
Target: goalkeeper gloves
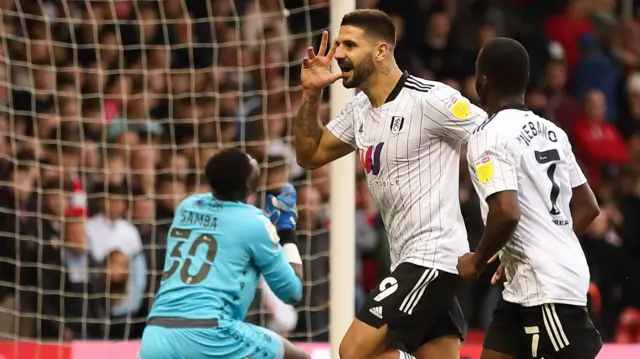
{"points": [[282, 210], [283, 213]]}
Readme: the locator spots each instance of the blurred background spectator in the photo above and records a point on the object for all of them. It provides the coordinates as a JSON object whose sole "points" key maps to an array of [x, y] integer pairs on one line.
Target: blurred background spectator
{"points": [[109, 111]]}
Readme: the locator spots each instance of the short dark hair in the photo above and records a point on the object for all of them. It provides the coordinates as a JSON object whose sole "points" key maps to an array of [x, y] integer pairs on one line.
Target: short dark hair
{"points": [[373, 22], [505, 63], [228, 172]]}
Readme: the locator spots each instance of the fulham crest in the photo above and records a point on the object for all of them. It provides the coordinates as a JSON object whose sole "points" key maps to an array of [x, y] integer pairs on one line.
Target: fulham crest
{"points": [[396, 124]]}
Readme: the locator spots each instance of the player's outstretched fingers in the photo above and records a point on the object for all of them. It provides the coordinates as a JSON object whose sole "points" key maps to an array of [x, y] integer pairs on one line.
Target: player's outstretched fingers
{"points": [[306, 62], [310, 54], [293, 352], [332, 50], [492, 259], [323, 44]]}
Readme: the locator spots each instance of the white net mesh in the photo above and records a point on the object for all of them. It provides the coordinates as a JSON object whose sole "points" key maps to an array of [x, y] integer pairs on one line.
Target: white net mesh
{"points": [[109, 111]]}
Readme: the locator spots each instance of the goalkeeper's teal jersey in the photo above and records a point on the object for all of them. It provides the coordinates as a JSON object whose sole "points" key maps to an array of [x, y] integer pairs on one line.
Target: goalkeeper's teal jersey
{"points": [[216, 251]]}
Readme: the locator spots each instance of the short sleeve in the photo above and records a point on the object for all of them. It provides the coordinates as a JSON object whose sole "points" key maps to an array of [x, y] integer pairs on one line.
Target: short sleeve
{"points": [[493, 168], [342, 125], [447, 113], [576, 177]]}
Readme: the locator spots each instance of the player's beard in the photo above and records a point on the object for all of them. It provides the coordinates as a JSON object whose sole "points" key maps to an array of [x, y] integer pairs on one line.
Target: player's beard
{"points": [[361, 73]]}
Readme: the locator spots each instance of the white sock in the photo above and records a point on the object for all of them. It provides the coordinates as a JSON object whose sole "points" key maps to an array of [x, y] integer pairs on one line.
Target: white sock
{"points": [[404, 355]]}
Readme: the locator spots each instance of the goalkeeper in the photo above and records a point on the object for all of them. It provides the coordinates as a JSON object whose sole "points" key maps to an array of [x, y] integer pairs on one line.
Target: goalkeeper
{"points": [[218, 246]]}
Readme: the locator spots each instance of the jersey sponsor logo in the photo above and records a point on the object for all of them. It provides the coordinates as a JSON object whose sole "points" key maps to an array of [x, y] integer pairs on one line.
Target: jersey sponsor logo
{"points": [[370, 159], [459, 108], [397, 122], [377, 311], [484, 169]]}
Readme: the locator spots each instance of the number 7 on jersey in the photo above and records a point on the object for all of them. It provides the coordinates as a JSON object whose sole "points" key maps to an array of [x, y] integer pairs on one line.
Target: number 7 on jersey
{"points": [[551, 156]]}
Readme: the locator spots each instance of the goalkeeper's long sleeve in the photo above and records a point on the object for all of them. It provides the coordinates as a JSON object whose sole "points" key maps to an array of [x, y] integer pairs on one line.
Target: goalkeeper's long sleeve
{"points": [[268, 255]]}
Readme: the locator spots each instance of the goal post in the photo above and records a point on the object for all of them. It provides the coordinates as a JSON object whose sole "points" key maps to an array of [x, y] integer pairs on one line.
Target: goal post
{"points": [[342, 233]]}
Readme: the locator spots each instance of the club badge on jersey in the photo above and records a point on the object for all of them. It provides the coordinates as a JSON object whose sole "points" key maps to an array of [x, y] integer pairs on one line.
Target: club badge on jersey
{"points": [[397, 122], [484, 169], [459, 108]]}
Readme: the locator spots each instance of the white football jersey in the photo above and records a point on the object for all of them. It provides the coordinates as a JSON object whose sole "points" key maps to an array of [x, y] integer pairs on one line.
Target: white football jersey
{"points": [[410, 150], [516, 150]]}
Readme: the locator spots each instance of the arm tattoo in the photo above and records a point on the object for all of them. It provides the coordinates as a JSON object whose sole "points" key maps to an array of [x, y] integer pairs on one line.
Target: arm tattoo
{"points": [[306, 128]]}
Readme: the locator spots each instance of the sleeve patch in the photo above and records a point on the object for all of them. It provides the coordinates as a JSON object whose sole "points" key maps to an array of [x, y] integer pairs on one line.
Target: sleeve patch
{"points": [[272, 232], [484, 169], [459, 108]]}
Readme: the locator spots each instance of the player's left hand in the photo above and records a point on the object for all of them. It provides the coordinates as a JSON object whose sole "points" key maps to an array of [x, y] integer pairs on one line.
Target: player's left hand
{"points": [[468, 266]]}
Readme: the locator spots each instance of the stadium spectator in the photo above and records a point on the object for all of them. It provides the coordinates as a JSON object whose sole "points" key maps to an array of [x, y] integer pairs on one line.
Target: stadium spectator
{"points": [[596, 71], [169, 192], [629, 122], [561, 108], [566, 29], [598, 143], [153, 241], [314, 244], [16, 236], [79, 312], [108, 231]]}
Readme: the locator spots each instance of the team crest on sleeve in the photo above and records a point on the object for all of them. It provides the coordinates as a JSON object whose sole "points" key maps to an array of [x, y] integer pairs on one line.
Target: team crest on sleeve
{"points": [[271, 230], [397, 122], [459, 108], [484, 169]]}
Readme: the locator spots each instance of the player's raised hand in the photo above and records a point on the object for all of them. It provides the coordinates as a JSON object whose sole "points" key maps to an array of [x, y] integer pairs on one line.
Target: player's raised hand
{"points": [[316, 67]]}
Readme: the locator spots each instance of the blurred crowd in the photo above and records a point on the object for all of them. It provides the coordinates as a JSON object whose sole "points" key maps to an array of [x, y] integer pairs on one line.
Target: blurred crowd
{"points": [[109, 110]]}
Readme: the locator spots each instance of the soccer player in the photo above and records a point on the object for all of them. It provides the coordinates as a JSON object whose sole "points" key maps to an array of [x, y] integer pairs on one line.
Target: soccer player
{"points": [[408, 132], [218, 247], [535, 198]]}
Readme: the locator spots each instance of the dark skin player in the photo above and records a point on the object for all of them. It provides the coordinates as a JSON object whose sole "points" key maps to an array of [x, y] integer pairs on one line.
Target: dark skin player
{"points": [[498, 89], [225, 170]]}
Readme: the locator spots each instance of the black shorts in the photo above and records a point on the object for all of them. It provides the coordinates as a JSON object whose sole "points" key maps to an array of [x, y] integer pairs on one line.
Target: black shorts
{"points": [[417, 304], [549, 331]]}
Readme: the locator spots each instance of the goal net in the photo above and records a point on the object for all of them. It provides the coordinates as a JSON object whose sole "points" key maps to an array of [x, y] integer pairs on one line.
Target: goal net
{"points": [[109, 111]]}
